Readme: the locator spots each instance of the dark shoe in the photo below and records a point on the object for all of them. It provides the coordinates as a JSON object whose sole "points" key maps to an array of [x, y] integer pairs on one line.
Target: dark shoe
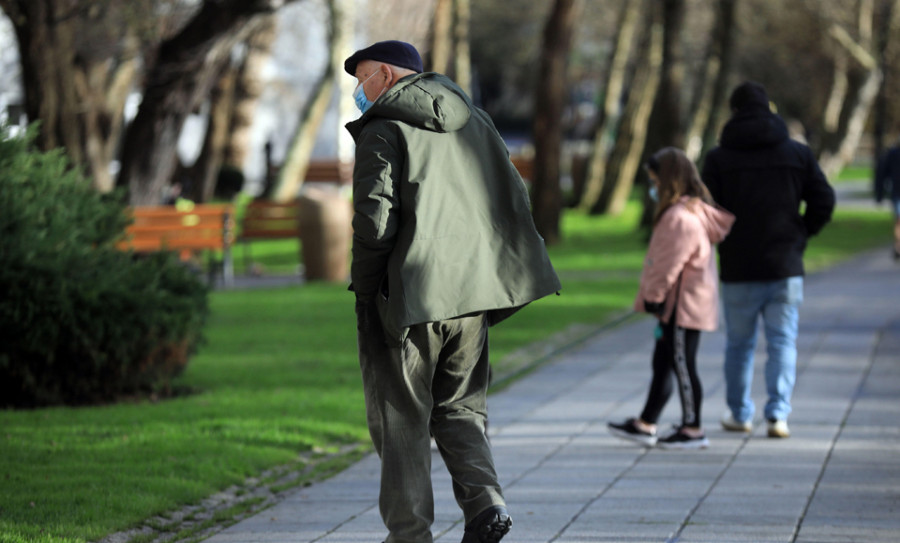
{"points": [[680, 440], [628, 430], [488, 527]]}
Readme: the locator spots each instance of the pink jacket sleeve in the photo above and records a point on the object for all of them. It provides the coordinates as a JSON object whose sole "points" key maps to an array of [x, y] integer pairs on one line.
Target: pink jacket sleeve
{"points": [[674, 239]]}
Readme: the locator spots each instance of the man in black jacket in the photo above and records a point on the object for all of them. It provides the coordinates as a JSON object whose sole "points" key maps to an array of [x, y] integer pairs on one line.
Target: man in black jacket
{"points": [[762, 176]]}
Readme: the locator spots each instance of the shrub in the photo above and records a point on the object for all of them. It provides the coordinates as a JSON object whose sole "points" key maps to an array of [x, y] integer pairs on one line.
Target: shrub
{"points": [[81, 321]]}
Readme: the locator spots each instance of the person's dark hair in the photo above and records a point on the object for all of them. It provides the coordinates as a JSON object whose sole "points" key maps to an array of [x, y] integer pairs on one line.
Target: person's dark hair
{"points": [[678, 176], [749, 95]]}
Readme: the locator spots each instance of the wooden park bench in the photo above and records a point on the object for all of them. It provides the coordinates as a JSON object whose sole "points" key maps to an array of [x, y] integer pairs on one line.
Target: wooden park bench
{"points": [[264, 220], [329, 171], [201, 227]]}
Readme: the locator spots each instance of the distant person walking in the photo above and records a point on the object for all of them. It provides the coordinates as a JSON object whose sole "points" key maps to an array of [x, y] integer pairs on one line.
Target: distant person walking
{"points": [[887, 183], [443, 247], [679, 286], [763, 176]]}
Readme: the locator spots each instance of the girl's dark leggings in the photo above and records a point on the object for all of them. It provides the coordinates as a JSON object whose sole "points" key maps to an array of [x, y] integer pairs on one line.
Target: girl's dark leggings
{"points": [[675, 352]]}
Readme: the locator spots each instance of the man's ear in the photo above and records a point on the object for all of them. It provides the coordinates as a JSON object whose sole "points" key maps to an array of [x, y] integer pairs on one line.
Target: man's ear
{"points": [[388, 75]]}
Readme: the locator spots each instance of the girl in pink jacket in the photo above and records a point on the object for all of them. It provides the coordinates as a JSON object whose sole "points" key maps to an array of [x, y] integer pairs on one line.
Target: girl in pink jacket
{"points": [[679, 285]]}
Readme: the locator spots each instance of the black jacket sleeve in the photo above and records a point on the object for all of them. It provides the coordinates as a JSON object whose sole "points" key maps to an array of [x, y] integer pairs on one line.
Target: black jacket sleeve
{"points": [[819, 197]]}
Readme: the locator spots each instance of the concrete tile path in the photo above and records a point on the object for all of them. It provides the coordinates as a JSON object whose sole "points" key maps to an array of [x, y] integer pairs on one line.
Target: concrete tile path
{"points": [[837, 479]]}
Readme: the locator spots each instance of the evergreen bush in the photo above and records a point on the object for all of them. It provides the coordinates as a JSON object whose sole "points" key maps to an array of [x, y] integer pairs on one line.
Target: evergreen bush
{"points": [[80, 320]]}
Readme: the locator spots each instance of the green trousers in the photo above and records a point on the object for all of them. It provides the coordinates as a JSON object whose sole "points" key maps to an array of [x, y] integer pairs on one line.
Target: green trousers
{"points": [[433, 384]]}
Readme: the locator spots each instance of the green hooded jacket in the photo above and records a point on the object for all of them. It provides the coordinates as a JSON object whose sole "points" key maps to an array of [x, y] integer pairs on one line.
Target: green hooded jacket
{"points": [[442, 225]]}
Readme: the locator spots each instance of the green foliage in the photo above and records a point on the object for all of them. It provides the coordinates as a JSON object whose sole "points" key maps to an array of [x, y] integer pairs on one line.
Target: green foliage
{"points": [[81, 321]]}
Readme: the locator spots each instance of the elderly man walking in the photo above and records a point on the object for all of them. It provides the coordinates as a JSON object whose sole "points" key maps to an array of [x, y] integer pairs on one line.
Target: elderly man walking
{"points": [[443, 247], [762, 176]]}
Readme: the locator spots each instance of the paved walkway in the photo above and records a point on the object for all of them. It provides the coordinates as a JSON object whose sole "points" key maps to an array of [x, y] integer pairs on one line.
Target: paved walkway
{"points": [[837, 479]]}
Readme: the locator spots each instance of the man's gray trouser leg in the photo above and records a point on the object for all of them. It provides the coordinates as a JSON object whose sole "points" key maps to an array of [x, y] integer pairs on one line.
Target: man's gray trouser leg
{"points": [[436, 381]]}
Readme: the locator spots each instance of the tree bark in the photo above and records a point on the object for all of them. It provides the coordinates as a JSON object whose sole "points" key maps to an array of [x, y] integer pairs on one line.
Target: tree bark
{"points": [[249, 88], [612, 109], [666, 127], [441, 36], [293, 171], [551, 90], [205, 170], [834, 158], [625, 160], [182, 76], [711, 93], [462, 61], [725, 30], [666, 119], [76, 88]]}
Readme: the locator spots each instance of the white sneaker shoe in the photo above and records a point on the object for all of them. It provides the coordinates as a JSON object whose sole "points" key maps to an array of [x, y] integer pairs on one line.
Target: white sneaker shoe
{"points": [[729, 423], [779, 428]]}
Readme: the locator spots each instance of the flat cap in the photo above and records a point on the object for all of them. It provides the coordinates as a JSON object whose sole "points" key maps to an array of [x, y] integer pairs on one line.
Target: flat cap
{"points": [[396, 53]]}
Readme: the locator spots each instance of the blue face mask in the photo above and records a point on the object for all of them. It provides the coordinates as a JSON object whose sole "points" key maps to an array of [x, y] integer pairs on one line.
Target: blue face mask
{"points": [[654, 193], [359, 96]]}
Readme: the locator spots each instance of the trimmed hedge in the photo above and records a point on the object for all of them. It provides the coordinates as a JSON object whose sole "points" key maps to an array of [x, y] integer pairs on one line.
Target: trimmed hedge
{"points": [[81, 321]]}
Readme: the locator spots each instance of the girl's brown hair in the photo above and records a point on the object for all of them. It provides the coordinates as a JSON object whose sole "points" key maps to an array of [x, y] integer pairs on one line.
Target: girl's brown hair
{"points": [[678, 176]]}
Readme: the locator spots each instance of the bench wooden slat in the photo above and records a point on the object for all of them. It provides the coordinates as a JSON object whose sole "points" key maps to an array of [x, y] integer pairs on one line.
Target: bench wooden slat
{"points": [[166, 228], [265, 219]]}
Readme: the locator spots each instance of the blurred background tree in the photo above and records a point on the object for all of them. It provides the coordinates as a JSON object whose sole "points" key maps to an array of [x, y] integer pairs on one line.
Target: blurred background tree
{"points": [[118, 84]]}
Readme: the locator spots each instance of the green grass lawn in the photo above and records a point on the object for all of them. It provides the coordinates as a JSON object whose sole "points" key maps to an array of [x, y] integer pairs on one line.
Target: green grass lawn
{"points": [[277, 385]]}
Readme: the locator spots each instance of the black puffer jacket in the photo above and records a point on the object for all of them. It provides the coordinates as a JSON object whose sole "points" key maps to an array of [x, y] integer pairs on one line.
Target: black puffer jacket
{"points": [[762, 176]]}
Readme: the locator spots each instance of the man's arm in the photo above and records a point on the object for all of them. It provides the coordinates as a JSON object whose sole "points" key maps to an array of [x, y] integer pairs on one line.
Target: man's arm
{"points": [[375, 212], [711, 179], [819, 197]]}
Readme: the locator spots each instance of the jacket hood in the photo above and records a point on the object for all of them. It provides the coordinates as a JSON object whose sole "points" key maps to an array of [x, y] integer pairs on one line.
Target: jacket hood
{"points": [[430, 101], [716, 221], [754, 129]]}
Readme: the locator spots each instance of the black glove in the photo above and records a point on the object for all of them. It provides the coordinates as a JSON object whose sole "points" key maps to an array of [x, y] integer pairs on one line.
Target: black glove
{"points": [[654, 308]]}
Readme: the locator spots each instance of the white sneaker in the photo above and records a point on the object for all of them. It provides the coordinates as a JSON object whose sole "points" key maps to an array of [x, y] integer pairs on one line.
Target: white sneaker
{"points": [[779, 428], [729, 423]]}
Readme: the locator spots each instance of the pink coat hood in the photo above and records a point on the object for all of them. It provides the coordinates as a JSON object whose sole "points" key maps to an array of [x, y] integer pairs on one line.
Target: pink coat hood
{"points": [[682, 247]]}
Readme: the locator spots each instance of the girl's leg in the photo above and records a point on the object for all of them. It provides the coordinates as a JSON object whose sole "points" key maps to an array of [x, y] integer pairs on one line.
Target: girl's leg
{"points": [[684, 362], [661, 383]]}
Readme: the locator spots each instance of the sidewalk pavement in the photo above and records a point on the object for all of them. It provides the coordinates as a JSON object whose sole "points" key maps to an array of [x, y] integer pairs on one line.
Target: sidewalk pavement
{"points": [[836, 479]]}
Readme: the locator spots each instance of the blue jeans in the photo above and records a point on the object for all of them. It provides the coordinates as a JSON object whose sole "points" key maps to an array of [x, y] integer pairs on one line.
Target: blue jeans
{"points": [[778, 303]]}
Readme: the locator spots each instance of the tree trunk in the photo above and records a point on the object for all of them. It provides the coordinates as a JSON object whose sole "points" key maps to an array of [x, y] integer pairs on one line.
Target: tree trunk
{"points": [[666, 119], [725, 30], [248, 90], [205, 170], [77, 92], [182, 76], [293, 171], [441, 36], [835, 157], [840, 84], [551, 93], [666, 127], [711, 90], [612, 109], [462, 60], [625, 160]]}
